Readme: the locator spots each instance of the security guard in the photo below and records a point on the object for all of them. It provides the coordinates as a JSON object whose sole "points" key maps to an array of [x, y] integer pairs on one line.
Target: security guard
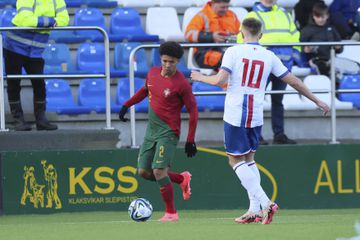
{"points": [[23, 49], [278, 27]]}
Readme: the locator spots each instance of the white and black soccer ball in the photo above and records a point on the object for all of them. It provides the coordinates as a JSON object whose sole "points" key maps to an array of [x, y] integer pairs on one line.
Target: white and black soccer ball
{"points": [[140, 210]]}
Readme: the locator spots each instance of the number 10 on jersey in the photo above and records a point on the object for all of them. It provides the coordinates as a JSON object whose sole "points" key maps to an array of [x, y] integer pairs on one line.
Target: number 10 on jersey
{"points": [[256, 66]]}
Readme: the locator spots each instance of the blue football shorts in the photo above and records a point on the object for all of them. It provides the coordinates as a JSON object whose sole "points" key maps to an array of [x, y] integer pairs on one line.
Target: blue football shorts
{"points": [[240, 140]]}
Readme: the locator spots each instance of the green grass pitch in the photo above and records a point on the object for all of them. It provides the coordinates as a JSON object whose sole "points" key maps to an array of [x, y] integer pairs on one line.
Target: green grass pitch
{"points": [[212, 224]]}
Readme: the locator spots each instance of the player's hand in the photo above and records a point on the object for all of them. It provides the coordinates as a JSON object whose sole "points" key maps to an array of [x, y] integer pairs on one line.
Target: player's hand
{"points": [[190, 149], [195, 75], [324, 107], [122, 113]]}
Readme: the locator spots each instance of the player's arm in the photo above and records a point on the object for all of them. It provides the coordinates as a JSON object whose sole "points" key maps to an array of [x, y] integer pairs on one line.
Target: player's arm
{"points": [[191, 107], [138, 97], [219, 79], [301, 88]]}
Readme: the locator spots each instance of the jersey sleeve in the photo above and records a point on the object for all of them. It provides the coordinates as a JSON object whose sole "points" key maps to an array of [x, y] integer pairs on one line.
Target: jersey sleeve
{"points": [[227, 61], [191, 107], [278, 68]]}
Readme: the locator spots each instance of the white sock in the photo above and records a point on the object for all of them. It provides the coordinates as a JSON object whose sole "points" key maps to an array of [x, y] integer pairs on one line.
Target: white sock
{"points": [[251, 183], [254, 203]]}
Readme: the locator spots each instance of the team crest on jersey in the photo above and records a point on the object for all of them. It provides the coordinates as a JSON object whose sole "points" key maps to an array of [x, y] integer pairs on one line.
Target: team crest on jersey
{"points": [[167, 92]]}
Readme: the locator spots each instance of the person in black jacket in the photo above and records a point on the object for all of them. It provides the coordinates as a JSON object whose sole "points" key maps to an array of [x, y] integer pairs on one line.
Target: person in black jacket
{"points": [[319, 30], [303, 11]]}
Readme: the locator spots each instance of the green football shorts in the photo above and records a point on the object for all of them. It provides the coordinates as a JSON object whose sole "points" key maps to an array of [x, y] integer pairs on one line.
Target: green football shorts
{"points": [[158, 153]]}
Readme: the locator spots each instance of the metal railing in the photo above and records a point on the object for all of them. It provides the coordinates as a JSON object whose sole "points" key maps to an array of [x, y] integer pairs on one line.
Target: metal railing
{"points": [[106, 75], [332, 91]]}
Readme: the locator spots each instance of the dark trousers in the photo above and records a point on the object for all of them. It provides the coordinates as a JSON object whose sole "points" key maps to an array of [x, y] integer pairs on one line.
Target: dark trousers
{"points": [[13, 65], [277, 108]]}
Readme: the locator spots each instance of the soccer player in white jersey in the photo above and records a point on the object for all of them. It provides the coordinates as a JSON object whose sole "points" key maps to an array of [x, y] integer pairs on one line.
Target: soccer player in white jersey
{"points": [[247, 67]]}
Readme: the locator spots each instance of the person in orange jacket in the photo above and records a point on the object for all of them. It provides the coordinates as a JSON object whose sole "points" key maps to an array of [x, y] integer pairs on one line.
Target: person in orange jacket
{"points": [[215, 23]]}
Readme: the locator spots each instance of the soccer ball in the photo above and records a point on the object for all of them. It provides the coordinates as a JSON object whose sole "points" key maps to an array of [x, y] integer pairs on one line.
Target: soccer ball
{"points": [[140, 210]]}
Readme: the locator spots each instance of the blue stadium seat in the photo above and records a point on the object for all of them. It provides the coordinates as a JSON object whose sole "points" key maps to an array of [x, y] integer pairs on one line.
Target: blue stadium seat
{"points": [[60, 100], [208, 103], [5, 3], [121, 58], [92, 94], [125, 23], [156, 61], [6, 15], [73, 3], [66, 36], [350, 82], [91, 59], [89, 17], [123, 93], [100, 3], [57, 59]]}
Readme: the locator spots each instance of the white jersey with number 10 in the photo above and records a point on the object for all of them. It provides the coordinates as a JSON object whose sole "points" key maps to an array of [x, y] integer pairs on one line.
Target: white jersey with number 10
{"points": [[249, 66]]}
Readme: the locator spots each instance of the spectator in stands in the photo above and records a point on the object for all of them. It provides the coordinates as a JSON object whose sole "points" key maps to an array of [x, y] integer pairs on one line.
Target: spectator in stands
{"points": [[303, 11], [23, 49], [319, 30], [215, 23], [343, 17], [278, 27]]}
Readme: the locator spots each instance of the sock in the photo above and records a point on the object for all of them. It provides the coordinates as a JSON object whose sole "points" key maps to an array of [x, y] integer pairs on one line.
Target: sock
{"points": [[176, 177], [251, 183], [167, 194], [254, 204]]}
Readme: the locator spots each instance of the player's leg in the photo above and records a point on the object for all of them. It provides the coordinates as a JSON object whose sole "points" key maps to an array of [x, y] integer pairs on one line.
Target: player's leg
{"points": [[165, 151], [240, 146], [146, 155], [145, 158], [271, 208]]}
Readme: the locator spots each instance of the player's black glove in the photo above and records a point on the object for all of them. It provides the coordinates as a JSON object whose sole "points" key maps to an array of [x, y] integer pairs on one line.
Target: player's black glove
{"points": [[190, 149], [122, 113]]}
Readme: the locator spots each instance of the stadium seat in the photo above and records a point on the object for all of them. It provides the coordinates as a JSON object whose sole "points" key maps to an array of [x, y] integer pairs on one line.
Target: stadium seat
{"points": [[125, 24], [289, 4], [208, 103], [65, 36], [176, 3], [295, 102], [100, 3], [240, 12], [156, 61], [242, 3], [138, 3], [328, 2], [350, 82], [123, 93], [350, 52], [164, 22], [5, 3], [121, 59], [191, 64], [91, 59], [321, 82], [57, 59], [200, 3], [59, 98], [73, 3], [92, 94], [188, 15], [89, 17]]}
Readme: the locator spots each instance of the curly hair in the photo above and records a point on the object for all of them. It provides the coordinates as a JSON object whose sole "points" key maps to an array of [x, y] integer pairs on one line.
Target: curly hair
{"points": [[172, 49]]}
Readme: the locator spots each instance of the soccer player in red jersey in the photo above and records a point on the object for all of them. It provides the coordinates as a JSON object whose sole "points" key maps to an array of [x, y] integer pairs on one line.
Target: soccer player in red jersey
{"points": [[168, 90]]}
